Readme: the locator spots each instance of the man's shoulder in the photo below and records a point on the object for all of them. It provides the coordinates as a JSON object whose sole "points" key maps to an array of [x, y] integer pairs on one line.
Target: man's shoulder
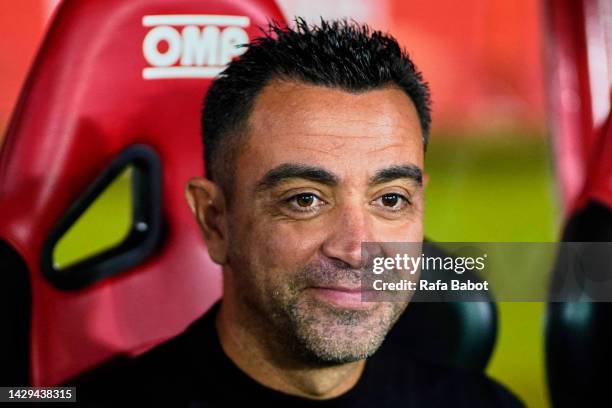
{"points": [[466, 387], [436, 384], [170, 365]]}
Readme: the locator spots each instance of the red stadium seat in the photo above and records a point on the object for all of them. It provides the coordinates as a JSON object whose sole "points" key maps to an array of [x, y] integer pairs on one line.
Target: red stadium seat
{"points": [[116, 83], [578, 334]]}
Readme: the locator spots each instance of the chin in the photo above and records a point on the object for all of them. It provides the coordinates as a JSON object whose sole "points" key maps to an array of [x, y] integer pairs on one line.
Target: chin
{"points": [[329, 334]]}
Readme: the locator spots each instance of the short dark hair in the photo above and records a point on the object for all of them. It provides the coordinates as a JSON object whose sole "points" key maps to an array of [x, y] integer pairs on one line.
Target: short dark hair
{"points": [[337, 54]]}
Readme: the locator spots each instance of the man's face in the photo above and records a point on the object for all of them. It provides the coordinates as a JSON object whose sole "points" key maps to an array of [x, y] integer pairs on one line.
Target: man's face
{"points": [[322, 171]]}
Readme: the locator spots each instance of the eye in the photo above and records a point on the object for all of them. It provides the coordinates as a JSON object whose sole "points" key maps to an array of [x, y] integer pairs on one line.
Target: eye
{"points": [[393, 201], [305, 202]]}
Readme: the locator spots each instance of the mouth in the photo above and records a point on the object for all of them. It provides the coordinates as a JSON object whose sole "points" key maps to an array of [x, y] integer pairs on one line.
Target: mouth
{"points": [[346, 297]]}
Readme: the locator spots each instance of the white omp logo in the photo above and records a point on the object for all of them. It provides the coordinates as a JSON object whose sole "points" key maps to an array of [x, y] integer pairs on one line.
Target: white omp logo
{"points": [[201, 49]]}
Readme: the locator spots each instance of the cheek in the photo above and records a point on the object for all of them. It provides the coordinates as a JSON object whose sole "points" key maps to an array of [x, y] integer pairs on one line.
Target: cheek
{"points": [[290, 246], [407, 230], [276, 250]]}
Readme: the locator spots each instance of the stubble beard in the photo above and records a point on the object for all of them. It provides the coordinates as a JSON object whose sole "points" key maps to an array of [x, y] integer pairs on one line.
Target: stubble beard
{"points": [[314, 331]]}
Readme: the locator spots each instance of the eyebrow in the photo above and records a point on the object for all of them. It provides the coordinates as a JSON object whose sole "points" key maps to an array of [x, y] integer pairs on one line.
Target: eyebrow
{"points": [[288, 171], [406, 171]]}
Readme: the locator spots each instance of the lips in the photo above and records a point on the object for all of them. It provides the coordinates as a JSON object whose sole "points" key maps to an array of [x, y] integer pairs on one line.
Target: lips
{"points": [[347, 297], [341, 288]]}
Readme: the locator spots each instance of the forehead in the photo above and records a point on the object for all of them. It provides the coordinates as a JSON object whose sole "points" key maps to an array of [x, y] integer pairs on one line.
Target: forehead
{"points": [[348, 133]]}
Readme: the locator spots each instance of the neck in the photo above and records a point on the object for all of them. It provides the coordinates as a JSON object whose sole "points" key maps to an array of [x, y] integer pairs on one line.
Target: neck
{"points": [[268, 363]]}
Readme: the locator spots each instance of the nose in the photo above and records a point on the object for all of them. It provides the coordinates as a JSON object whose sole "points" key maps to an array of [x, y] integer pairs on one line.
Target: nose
{"points": [[348, 231]]}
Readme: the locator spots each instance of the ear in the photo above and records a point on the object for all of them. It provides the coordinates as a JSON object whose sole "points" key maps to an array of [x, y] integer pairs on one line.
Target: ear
{"points": [[207, 204]]}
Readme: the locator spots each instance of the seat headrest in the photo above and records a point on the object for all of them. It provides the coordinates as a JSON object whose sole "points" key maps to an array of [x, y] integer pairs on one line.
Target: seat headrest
{"points": [[112, 74], [598, 185]]}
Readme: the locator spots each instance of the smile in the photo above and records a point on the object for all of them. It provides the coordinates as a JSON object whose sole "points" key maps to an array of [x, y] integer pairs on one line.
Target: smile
{"points": [[341, 296]]}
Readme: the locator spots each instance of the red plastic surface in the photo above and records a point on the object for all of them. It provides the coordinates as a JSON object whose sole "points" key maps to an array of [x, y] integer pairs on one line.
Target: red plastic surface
{"points": [[599, 185], [578, 94], [86, 100]]}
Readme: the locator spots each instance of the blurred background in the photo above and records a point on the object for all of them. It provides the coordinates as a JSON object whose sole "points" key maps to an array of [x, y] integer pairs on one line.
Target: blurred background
{"points": [[489, 160]]}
